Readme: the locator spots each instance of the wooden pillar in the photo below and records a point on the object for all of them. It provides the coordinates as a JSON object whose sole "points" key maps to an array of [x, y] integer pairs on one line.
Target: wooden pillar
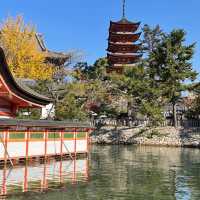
{"points": [[45, 143], [6, 136], [74, 172], [27, 136], [87, 169], [61, 171], [61, 143], [87, 138], [75, 142], [25, 178], [44, 180], [74, 161], [4, 189], [5, 143], [44, 184]]}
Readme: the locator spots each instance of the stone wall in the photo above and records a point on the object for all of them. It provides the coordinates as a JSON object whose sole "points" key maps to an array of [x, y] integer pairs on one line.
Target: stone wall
{"points": [[162, 136]]}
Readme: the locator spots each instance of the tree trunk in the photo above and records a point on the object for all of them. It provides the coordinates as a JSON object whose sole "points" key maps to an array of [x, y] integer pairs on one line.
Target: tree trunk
{"points": [[129, 113], [174, 115]]}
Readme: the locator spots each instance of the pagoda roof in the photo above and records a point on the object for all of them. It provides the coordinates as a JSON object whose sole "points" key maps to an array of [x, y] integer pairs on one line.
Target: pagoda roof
{"points": [[123, 26], [123, 58], [124, 44], [126, 34], [17, 87], [125, 21], [122, 55], [55, 57], [121, 37], [123, 47]]}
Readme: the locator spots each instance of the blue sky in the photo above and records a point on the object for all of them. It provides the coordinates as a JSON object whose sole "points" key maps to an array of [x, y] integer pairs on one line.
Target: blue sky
{"points": [[83, 24]]}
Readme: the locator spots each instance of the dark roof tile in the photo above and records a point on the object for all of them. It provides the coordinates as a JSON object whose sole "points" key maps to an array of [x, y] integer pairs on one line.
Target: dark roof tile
{"points": [[17, 87], [43, 124]]}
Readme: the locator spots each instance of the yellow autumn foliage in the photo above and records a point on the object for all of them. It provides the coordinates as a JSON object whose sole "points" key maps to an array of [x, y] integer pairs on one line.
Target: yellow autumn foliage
{"points": [[22, 53]]}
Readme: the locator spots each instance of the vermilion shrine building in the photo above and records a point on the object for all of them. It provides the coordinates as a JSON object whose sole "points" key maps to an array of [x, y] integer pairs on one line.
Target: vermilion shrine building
{"points": [[30, 139], [14, 94]]}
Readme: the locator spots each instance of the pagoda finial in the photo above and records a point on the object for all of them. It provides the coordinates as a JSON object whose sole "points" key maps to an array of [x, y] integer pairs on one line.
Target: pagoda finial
{"points": [[124, 4]]}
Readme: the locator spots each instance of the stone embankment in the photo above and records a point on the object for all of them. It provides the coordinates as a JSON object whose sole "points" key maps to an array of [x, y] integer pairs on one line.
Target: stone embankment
{"points": [[160, 136]]}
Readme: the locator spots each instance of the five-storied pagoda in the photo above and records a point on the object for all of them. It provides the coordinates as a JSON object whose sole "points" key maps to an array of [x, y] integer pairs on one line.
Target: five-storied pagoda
{"points": [[123, 49]]}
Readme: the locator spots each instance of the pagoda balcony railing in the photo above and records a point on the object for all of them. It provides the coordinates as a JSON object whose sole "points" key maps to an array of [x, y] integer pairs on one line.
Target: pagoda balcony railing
{"points": [[123, 59], [126, 55], [121, 48], [123, 29], [124, 33], [113, 37], [123, 43]]}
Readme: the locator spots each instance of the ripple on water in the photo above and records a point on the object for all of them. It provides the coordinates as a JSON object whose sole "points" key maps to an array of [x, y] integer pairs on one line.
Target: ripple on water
{"points": [[121, 173]]}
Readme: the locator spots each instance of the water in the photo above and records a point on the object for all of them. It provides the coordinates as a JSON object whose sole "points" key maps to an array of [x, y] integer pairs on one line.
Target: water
{"points": [[117, 172]]}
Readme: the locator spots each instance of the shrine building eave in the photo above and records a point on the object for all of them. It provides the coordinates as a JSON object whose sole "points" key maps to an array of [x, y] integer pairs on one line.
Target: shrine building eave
{"points": [[17, 89]]}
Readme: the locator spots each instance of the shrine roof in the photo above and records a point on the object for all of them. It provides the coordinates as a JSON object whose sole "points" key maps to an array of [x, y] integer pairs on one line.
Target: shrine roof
{"points": [[18, 87], [43, 124], [23, 85], [50, 54]]}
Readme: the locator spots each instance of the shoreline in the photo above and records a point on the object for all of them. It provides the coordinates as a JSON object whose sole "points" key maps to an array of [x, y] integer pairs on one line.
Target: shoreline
{"points": [[159, 136]]}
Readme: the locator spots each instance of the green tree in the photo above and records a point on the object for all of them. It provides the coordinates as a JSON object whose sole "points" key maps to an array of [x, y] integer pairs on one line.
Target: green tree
{"points": [[98, 89], [136, 87], [71, 108], [173, 59], [152, 37]]}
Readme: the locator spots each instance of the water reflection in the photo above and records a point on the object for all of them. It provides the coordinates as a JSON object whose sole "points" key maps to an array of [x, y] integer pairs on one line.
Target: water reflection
{"points": [[40, 178], [119, 173], [149, 172]]}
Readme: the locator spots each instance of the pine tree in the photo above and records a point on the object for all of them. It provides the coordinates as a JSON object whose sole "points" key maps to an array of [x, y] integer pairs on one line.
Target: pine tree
{"points": [[173, 60]]}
